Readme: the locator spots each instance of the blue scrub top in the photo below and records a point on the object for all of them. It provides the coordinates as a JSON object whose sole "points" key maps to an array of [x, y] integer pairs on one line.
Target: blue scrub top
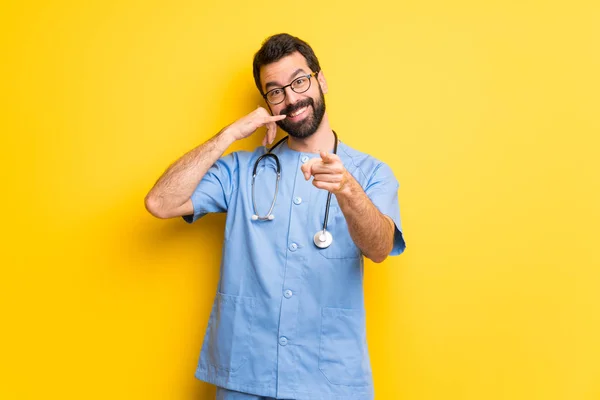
{"points": [[288, 320]]}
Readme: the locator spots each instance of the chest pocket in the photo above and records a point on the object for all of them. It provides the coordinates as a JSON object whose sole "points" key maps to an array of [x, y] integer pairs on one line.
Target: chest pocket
{"points": [[342, 245]]}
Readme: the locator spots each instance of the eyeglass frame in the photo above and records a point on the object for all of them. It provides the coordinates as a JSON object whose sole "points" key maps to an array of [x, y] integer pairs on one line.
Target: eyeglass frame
{"points": [[309, 76]]}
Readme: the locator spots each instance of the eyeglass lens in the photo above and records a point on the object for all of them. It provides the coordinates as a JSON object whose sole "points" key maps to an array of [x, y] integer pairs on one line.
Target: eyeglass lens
{"points": [[299, 85]]}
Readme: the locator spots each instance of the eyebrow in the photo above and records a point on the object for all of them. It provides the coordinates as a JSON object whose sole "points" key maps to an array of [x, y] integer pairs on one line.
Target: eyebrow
{"points": [[277, 84]]}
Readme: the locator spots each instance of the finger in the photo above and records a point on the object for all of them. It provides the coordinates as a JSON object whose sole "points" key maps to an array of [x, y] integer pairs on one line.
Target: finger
{"points": [[329, 158], [307, 168], [329, 186], [271, 132], [264, 141], [328, 177], [273, 118], [322, 168]]}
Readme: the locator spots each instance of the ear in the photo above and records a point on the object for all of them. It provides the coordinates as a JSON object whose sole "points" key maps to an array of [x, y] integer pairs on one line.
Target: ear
{"points": [[322, 81]]}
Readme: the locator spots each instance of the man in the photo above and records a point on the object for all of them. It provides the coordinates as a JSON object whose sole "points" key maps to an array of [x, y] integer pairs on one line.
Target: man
{"points": [[288, 320]]}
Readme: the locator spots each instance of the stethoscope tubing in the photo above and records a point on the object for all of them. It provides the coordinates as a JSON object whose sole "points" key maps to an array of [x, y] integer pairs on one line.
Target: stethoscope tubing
{"points": [[322, 238]]}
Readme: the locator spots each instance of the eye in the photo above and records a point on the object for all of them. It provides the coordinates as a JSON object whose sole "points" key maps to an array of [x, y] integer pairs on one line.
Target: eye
{"points": [[276, 92], [300, 81]]}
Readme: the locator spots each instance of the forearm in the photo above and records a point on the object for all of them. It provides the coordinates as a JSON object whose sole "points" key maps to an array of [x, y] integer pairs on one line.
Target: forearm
{"points": [[178, 182], [371, 231]]}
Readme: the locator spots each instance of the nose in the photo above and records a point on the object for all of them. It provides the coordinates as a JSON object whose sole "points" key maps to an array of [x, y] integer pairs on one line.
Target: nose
{"points": [[291, 97]]}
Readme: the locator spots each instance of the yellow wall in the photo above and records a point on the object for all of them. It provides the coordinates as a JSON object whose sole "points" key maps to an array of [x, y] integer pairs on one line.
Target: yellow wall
{"points": [[486, 111]]}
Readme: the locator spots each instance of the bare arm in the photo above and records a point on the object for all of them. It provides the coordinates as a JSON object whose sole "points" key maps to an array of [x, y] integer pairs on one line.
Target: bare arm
{"points": [[170, 196], [370, 230]]}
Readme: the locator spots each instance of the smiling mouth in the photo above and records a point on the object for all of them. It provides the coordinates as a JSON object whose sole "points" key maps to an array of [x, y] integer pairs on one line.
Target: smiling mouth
{"points": [[298, 112]]}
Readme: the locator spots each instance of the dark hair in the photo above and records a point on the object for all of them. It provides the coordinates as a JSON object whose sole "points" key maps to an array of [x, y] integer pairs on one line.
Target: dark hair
{"points": [[278, 46]]}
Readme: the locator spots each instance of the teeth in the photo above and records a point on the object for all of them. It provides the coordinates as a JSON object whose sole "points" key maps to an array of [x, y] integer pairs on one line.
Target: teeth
{"points": [[300, 111]]}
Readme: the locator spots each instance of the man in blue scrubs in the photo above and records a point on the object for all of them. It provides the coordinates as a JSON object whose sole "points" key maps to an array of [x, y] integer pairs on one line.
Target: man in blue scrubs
{"points": [[288, 319]]}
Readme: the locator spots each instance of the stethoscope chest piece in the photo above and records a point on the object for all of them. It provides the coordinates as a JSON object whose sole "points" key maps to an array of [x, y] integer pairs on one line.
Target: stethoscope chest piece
{"points": [[323, 239]]}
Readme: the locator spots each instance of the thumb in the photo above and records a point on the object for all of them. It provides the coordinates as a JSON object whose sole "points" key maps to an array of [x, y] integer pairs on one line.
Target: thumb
{"points": [[305, 171], [326, 157]]}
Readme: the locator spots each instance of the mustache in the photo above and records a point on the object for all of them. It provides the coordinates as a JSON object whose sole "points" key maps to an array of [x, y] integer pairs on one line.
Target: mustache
{"points": [[296, 106]]}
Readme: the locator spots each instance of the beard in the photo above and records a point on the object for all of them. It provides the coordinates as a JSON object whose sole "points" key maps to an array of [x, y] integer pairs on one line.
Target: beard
{"points": [[309, 125]]}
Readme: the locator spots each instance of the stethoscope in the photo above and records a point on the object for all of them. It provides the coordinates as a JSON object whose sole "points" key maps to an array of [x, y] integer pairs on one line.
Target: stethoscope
{"points": [[323, 237]]}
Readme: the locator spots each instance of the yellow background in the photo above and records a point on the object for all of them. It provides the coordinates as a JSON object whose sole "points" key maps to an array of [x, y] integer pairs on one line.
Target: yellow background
{"points": [[486, 111]]}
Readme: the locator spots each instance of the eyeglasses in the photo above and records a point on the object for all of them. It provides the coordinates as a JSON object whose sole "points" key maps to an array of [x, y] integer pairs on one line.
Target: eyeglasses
{"points": [[298, 85]]}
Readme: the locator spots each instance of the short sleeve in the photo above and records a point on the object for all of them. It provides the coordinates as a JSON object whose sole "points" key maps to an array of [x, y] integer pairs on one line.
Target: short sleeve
{"points": [[382, 189], [213, 193]]}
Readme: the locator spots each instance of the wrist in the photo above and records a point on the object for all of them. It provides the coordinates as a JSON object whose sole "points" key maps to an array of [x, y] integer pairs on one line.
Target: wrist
{"points": [[347, 187], [229, 134]]}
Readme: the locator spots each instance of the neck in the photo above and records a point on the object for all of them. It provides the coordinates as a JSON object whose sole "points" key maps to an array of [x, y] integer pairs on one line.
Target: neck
{"points": [[321, 140]]}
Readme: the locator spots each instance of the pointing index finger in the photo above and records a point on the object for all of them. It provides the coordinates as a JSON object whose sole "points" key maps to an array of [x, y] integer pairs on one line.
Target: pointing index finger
{"points": [[272, 118], [277, 117], [328, 158]]}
